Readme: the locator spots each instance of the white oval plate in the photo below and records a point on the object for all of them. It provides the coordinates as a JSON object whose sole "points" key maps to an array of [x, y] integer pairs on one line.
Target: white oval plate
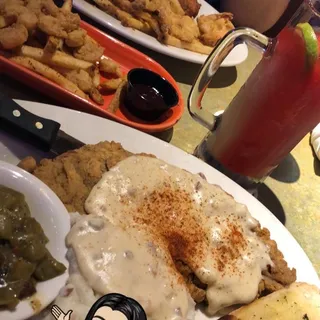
{"points": [[92, 129], [50, 212], [236, 56]]}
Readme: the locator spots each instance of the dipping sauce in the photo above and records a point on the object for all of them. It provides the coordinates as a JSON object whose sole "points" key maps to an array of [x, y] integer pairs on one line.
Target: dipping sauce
{"points": [[190, 220], [149, 95], [152, 95], [24, 259]]}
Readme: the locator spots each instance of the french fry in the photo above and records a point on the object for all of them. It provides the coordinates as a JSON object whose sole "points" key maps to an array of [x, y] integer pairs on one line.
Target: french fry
{"points": [[111, 85], [148, 18], [49, 73], [96, 77], [53, 44], [96, 96], [62, 71], [67, 6], [152, 21], [59, 59], [118, 97], [58, 49], [107, 65], [195, 46]]}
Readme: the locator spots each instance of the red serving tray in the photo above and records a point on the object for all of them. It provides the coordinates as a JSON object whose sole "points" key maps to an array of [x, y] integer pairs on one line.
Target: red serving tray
{"points": [[128, 58]]}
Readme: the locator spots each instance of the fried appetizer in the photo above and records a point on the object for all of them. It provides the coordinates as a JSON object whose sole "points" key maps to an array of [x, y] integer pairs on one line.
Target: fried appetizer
{"points": [[214, 27]]}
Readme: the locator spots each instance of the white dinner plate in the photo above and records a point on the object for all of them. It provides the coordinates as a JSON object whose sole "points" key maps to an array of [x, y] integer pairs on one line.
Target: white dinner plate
{"points": [[92, 129], [236, 56]]}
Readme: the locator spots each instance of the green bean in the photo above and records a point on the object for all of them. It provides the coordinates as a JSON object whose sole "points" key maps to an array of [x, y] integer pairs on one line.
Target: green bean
{"points": [[49, 268], [24, 258]]}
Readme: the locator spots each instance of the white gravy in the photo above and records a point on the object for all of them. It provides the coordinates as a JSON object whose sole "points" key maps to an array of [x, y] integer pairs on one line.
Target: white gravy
{"points": [[190, 219], [115, 260]]}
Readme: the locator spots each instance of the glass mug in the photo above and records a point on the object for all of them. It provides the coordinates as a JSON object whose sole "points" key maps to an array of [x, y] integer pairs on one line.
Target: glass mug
{"points": [[276, 107]]}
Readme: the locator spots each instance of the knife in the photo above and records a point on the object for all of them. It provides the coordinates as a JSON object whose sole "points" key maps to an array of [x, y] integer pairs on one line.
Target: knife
{"points": [[44, 134]]}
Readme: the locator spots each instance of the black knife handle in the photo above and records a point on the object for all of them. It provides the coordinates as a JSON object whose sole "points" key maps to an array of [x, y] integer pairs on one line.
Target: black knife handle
{"points": [[27, 126]]}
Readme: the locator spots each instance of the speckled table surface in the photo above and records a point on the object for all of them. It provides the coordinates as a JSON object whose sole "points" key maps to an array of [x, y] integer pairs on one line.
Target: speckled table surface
{"points": [[293, 191]]}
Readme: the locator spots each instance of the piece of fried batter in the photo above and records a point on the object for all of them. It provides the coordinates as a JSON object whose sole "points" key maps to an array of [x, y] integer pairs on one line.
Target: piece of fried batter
{"points": [[72, 175], [154, 5], [17, 12], [90, 51], [140, 14], [126, 18], [76, 38], [39, 7], [214, 27], [181, 27], [60, 25], [191, 7], [81, 78], [51, 26], [13, 36]]}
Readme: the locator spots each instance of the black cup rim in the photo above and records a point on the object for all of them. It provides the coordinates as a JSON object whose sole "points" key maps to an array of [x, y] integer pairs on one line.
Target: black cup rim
{"points": [[161, 78]]}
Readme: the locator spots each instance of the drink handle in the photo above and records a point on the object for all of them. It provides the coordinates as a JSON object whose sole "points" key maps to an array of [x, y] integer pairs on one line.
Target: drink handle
{"points": [[212, 64]]}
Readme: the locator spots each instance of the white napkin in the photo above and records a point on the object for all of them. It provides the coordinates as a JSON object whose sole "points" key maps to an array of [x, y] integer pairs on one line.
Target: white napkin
{"points": [[315, 140]]}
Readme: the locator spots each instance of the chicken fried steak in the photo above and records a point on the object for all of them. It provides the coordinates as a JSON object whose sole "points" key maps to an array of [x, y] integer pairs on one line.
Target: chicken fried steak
{"points": [[73, 175]]}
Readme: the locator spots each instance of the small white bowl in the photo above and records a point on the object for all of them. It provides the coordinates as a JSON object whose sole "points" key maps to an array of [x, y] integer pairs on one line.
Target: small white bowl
{"points": [[50, 212]]}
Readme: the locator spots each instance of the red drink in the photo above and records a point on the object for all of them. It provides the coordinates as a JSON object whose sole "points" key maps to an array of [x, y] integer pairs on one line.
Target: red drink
{"points": [[273, 111]]}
